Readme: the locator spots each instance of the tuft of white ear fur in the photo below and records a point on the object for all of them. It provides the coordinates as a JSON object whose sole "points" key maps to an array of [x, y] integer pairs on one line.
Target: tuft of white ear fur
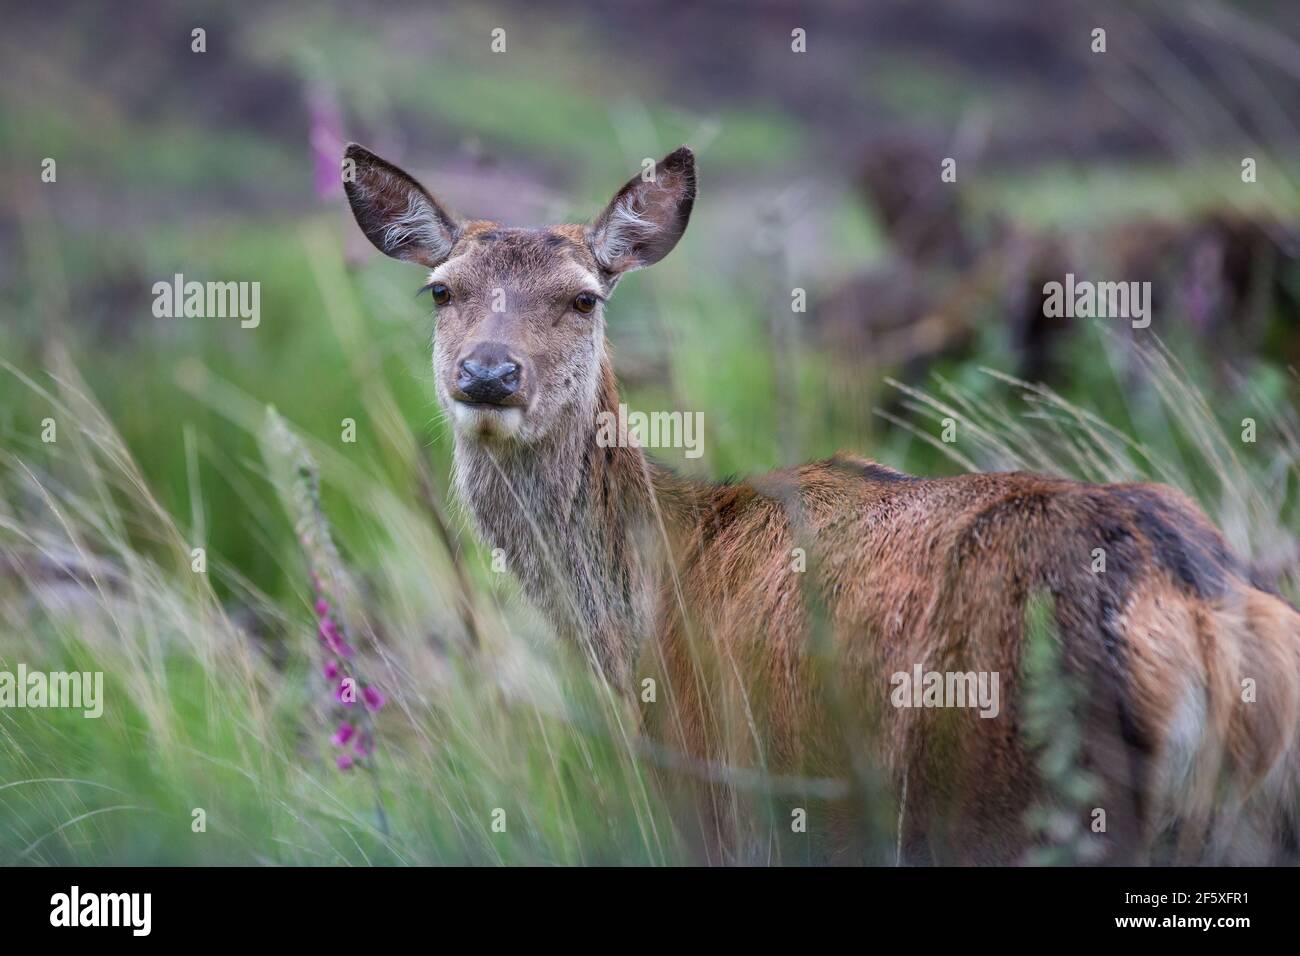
{"points": [[621, 232], [646, 218], [418, 227]]}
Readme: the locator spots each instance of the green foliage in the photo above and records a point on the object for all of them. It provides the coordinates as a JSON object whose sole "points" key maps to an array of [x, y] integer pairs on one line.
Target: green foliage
{"points": [[210, 700], [1052, 728]]}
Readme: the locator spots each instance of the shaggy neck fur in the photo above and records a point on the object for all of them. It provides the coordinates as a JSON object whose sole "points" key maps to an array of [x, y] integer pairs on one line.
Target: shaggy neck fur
{"points": [[587, 530]]}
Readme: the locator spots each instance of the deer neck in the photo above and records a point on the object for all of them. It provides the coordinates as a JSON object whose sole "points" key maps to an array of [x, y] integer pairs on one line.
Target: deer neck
{"points": [[587, 529]]}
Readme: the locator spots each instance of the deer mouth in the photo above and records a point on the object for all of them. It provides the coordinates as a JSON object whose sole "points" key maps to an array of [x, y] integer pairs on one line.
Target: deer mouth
{"points": [[489, 402]]}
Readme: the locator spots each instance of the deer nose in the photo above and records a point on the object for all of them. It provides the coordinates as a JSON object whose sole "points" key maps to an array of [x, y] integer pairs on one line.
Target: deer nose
{"points": [[487, 375]]}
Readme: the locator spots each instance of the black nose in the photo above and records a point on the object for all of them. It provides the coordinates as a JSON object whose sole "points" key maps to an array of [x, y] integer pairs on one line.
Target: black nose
{"points": [[486, 375]]}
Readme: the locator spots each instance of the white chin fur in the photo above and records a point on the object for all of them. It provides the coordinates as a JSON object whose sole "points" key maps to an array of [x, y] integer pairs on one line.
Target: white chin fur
{"points": [[482, 422]]}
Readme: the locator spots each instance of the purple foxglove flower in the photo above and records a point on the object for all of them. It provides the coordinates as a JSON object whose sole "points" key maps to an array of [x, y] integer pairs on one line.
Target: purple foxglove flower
{"points": [[344, 761], [343, 735], [325, 139], [373, 698], [331, 670]]}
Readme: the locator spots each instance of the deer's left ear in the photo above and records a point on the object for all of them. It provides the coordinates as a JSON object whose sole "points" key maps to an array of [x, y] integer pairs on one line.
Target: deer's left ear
{"points": [[645, 219], [396, 213]]}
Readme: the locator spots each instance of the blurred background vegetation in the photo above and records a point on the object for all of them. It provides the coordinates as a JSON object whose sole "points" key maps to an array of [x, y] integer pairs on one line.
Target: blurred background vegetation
{"points": [[818, 171]]}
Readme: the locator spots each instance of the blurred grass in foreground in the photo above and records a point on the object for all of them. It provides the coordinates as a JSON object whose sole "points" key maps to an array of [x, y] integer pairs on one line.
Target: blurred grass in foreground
{"points": [[209, 702]]}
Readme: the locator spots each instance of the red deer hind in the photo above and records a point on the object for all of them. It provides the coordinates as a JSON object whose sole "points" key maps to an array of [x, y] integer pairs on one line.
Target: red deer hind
{"points": [[698, 584]]}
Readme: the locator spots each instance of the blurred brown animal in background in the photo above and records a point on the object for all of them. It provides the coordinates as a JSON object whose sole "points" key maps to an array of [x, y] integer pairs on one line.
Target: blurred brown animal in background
{"points": [[1230, 278]]}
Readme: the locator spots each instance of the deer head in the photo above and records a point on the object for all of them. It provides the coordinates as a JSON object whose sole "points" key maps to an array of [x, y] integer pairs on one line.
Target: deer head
{"points": [[519, 348]]}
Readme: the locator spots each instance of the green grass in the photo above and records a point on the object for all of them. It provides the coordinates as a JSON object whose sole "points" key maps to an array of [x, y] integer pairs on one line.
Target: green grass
{"points": [[214, 699]]}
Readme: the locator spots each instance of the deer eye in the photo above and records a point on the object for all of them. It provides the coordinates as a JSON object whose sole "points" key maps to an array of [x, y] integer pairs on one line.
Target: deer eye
{"points": [[584, 302], [441, 294]]}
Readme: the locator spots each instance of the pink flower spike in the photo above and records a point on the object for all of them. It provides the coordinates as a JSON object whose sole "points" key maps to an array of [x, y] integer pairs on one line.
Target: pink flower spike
{"points": [[331, 670], [322, 607], [344, 761], [373, 698], [329, 631], [343, 735]]}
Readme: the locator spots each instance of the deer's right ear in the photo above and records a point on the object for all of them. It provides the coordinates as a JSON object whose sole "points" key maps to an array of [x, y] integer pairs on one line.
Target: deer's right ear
{"points": [[395, 212]]}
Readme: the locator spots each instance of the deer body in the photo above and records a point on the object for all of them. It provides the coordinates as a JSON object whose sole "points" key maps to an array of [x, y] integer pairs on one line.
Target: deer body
{"points": [[778, 612]]}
